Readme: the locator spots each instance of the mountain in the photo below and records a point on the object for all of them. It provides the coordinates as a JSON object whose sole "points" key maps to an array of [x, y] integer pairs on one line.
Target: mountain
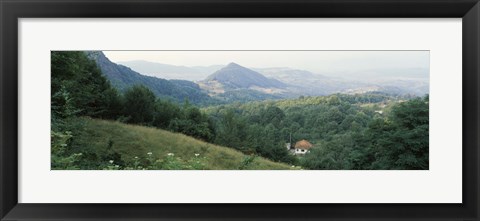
{"points": [[235, 83], [168, 71], [234, 76], [123, 77], [130, 141]]}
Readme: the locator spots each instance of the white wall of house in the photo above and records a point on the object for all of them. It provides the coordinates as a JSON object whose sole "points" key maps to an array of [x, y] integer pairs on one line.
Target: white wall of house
{"points": [[300, 151]]}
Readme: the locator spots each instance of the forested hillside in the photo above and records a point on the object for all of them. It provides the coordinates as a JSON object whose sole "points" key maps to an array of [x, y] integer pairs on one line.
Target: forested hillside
{"points": [[368, 131], [123, 78]]}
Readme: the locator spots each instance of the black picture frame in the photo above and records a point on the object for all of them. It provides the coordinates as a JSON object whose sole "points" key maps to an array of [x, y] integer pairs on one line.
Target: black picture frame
{"points": [[12, 10]]}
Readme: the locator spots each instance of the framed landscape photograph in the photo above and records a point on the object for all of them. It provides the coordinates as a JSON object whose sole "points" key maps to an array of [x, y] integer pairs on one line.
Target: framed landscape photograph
{"points": [[346, 110], [123, 110]]}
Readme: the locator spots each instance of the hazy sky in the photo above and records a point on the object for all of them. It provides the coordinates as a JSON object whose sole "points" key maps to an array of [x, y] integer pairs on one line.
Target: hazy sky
{"points": [[315, 61]]}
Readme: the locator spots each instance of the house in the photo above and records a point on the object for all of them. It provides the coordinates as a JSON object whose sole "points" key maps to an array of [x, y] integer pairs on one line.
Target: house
{"points": [[301, 147]]}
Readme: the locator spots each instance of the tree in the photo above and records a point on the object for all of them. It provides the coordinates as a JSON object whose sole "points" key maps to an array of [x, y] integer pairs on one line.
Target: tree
{"points": [[231, 130], [411, 120], [403, 141], [190, 121], [165, 112], [139, 105], [79, 88], [273, 115], [112, 104]]}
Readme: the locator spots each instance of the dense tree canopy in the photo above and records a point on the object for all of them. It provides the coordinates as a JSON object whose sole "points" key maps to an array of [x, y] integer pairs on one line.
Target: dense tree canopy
{"points": [[348, 132]]}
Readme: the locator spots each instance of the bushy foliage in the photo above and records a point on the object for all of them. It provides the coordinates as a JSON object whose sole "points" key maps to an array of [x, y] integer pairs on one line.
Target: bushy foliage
{"points": [[61, 158], [168, 162]]}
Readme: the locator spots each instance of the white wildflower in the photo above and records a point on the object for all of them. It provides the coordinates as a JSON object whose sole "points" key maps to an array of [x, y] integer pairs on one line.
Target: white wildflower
{"points": [[111, 161], [136, 157], [293, 165], [197, 154], [170, 154], [149, 153], [117, 166]]}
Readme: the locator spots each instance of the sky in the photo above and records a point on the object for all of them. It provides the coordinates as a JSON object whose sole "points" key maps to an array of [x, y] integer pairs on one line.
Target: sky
{"points": [[314, 61]]}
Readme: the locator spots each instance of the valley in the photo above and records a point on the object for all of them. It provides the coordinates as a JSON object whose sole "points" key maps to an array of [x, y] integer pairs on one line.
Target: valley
{"points": [[223, 82], [108, 115]]}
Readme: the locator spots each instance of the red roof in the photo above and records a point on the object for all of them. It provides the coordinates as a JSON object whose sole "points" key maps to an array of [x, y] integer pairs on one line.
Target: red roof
{"points": [[303, 144]]}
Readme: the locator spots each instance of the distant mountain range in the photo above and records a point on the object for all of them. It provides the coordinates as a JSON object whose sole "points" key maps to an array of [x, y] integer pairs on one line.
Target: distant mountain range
{"points": [[302, 82], [167, 71], [402, 81], [219, 84]]}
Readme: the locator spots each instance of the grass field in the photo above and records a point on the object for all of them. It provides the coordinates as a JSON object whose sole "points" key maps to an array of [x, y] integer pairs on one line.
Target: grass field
{"points": [[130, 141]]}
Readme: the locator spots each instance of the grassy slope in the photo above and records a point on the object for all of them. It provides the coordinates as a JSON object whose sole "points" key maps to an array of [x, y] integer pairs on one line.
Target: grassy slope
{"points": [[133, 140]]}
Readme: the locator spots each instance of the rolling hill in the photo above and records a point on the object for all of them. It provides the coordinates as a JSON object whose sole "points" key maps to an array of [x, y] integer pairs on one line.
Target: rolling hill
{"points": [[397, 82], [302, 82], [95, 137]]}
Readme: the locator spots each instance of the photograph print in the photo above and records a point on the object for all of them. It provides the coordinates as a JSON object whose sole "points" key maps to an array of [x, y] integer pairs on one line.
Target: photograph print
{"points": [[240, 110]]}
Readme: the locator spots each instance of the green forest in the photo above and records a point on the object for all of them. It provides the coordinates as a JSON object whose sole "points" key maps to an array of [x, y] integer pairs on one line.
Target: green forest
{"points": [[97, 126]]}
